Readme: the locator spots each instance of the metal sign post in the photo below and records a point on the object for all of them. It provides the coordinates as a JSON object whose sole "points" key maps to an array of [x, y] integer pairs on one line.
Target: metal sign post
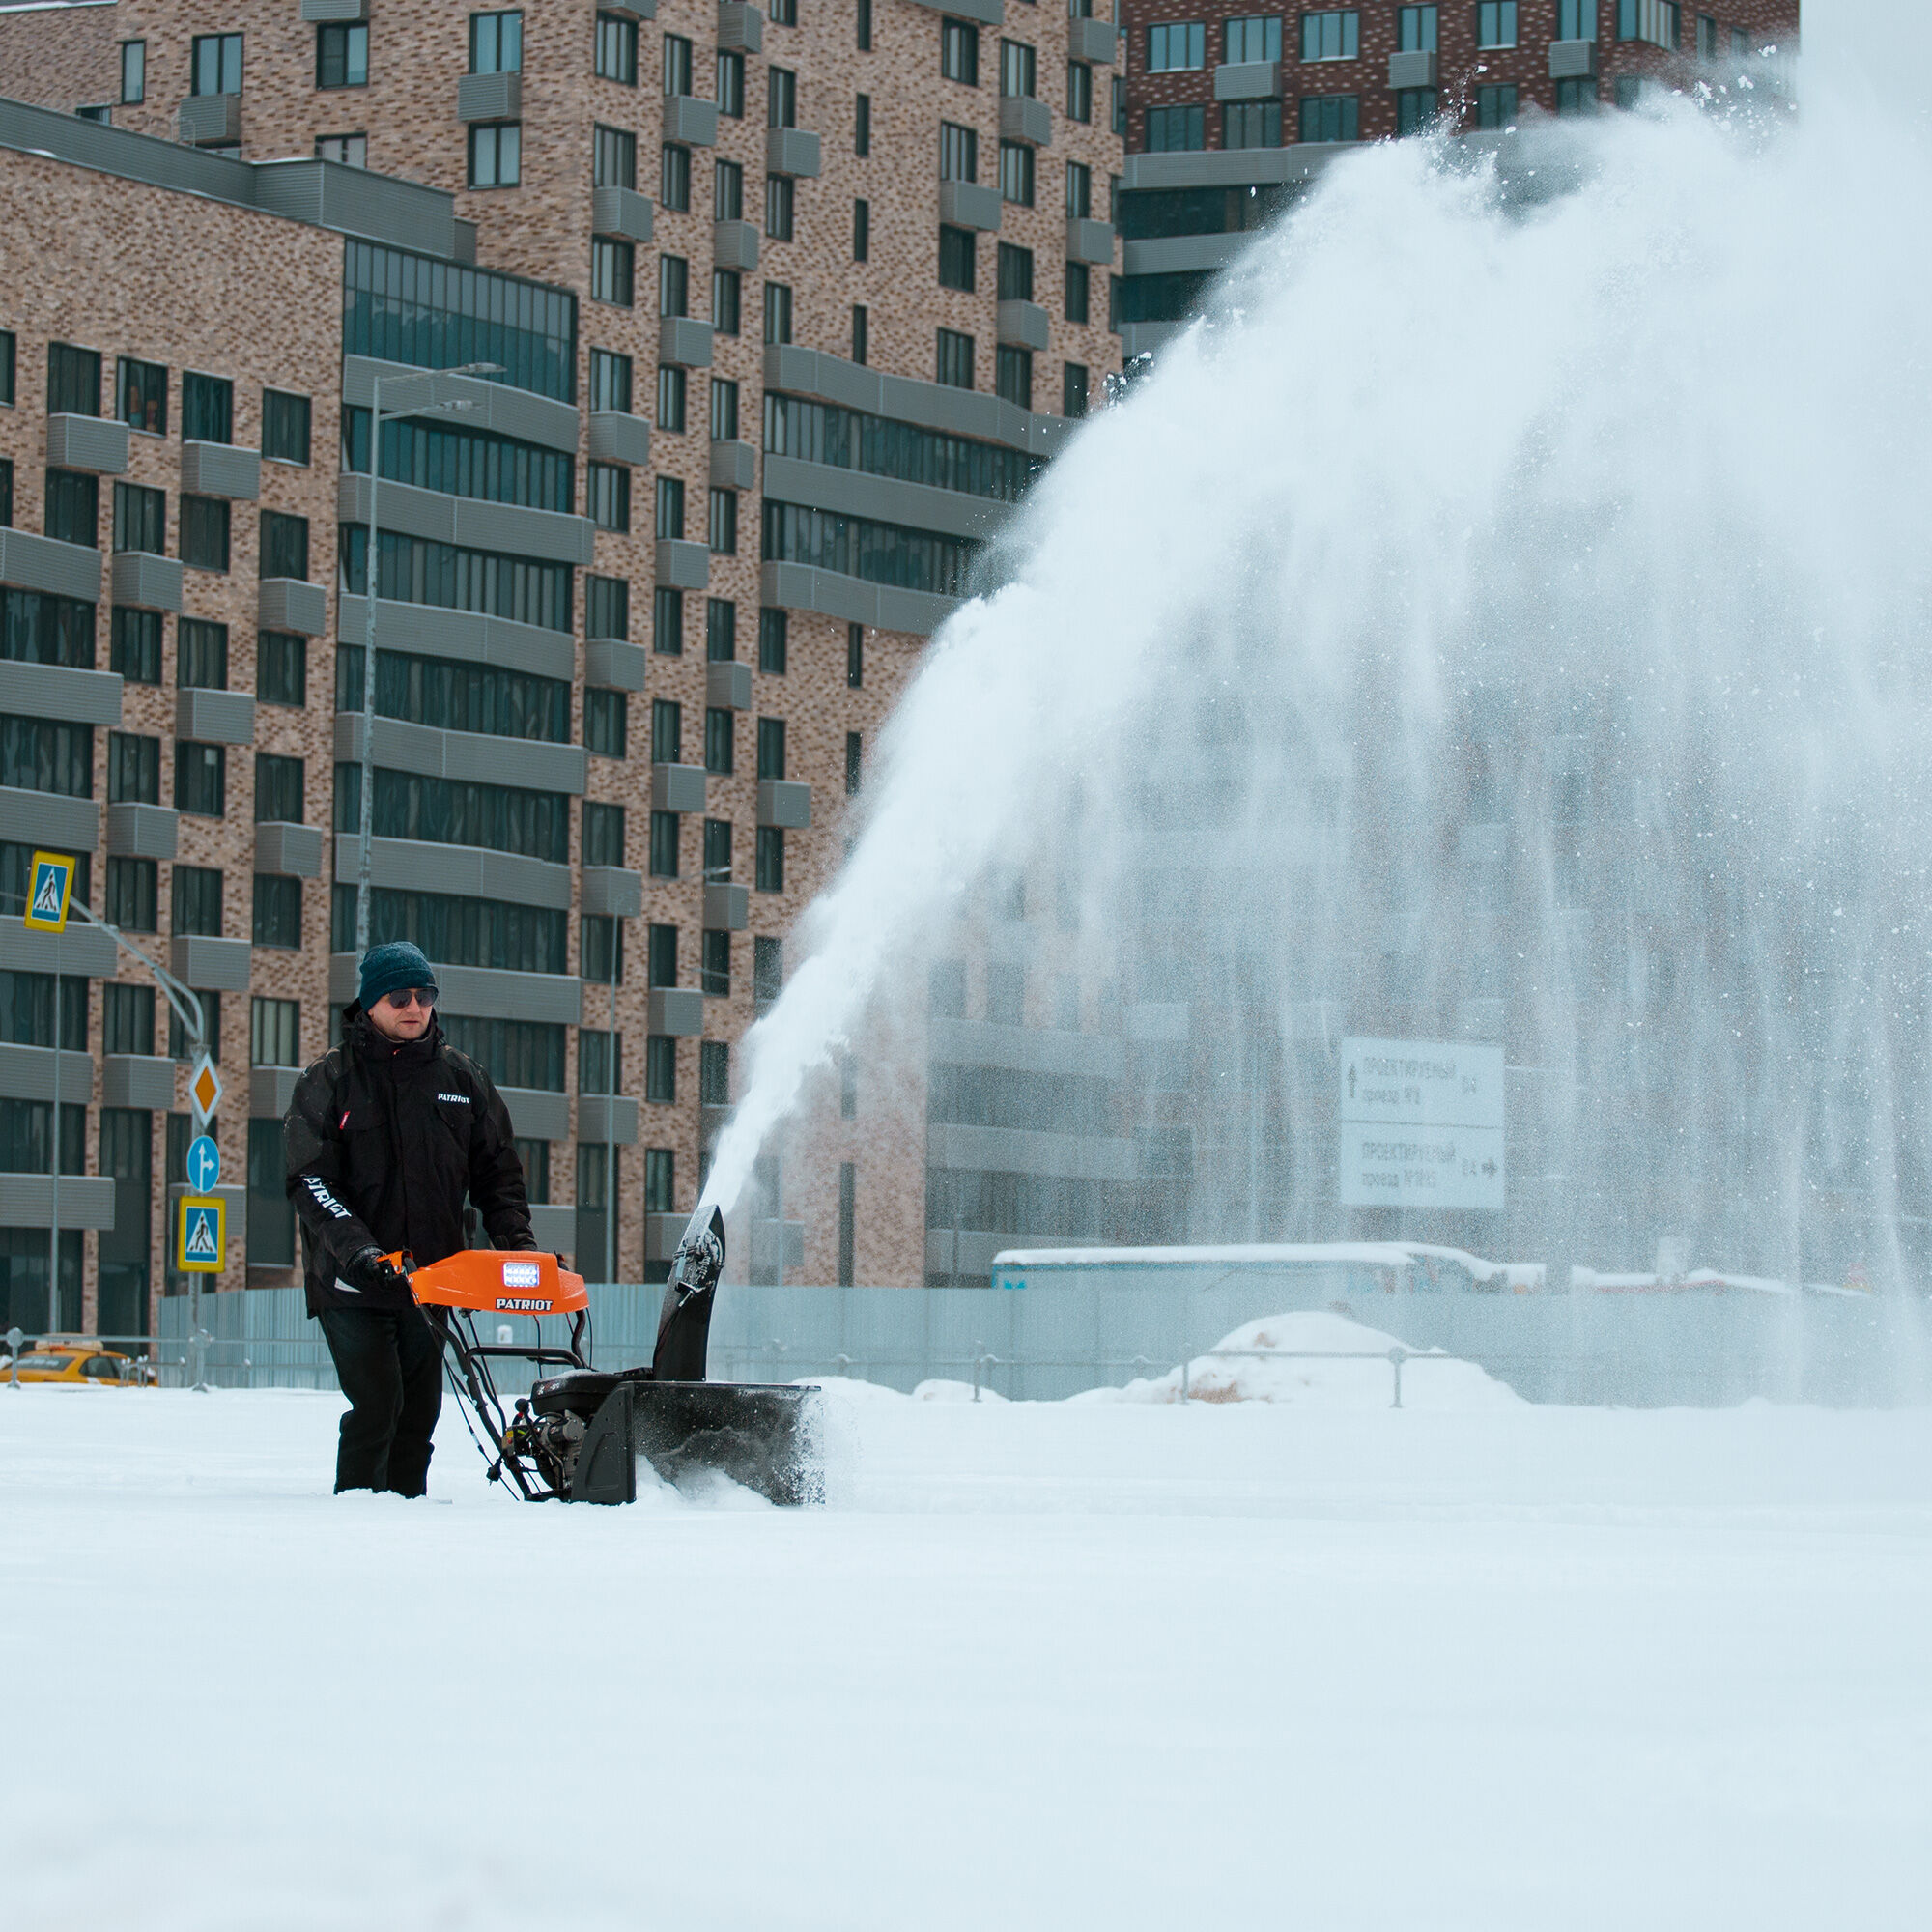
{"points": [[49, 895]]}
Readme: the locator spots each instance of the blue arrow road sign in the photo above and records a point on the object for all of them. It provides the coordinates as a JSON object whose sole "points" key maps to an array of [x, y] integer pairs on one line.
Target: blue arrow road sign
{"points": [[204, 1163]]}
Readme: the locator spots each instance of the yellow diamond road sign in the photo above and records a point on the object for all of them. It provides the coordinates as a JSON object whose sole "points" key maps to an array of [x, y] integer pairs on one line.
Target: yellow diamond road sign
{"points": [[204, 1089], [201, 1234], [50, 888]]}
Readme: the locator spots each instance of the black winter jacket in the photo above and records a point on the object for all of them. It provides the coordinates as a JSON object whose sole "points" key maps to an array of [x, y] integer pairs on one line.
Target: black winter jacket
{"points": [[383, 1140]]}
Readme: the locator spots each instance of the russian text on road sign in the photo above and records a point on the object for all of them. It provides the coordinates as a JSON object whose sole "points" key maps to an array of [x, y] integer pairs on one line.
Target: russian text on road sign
{"points": [[201, 1234], [1421, 1123], [204, 1089], [204, 1163], [51, 890]]}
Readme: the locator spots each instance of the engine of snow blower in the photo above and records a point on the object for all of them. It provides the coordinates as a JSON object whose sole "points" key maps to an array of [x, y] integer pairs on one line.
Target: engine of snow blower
{"points": [[579, 1435]]}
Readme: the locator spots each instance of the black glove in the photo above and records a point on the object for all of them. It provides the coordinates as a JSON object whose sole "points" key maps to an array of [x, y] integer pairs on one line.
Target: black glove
{"points": [[369, 1271]]}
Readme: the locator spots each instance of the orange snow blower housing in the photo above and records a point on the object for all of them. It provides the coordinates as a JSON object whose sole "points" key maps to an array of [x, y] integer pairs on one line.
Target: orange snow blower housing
{"points": [[580, 1434]]}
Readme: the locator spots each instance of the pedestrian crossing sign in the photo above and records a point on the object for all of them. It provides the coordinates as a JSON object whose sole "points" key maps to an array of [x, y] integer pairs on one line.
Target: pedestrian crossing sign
{"points": [[51, 889], [201, 1234]]}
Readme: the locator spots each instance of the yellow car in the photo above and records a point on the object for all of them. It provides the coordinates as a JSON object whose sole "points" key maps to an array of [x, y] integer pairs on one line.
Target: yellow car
{"points": [[74, 1362]]}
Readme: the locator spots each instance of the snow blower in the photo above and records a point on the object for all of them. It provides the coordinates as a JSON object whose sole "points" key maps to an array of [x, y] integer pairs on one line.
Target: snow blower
{"points": [[580, 1434]]}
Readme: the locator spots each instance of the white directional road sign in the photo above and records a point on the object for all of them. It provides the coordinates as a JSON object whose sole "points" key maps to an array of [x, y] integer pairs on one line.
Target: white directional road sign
{"points": [[1421, 1123]]}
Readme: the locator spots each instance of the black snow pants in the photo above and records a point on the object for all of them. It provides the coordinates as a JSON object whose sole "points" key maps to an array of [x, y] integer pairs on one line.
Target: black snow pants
{"points": [[389, 1363]]}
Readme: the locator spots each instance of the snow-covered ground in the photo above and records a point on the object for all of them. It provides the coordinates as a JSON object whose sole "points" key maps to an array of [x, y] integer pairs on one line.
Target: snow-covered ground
{"points": [[1089, 1664]]}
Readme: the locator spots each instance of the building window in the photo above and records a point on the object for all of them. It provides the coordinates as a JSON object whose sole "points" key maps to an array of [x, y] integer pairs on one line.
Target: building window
{"points": [[957, 252], [602, 834], [676, 64], [855, 756], [1661, 22], [1012, 376], [1496, 106], [284, 549], [7, 493], [208, 408], [616, 54], [1176, 130], [73, 510], [1496, 23], [1415, 29], [133, 769], [201, 655], [767, 973], [74, 380], [861, 330], [861, 126], [861, 230], [133, 72], [215, 64], [341, 57], [721, 741], [723, 409], [671, 506], [609, 381], [855, 656], [142, 396], [1017, 173], [661, 1069], [204, 533], [281, 668], [133, 895], [1575, 97], [1019, 71], [955, 359], [140, 519], [278, 789], [731, 87], [770, 871], [352, 151], [275, 1033], [606, 723], [8, 347], [1415, 109], [1015, 273], [134, 645], [661, 955], [126, 1019], [1073, 389], [714, 980], [663, 845], [717, 851], [1079, 190], [771, 748], [774, 640], [285, 427], [782, 98], [1079, 91], [959, 52], [1177, 47], [1334, 33], [724, 523], [201, 787], [611, 271], [728, 191], [660, 1168], [277, 911], [608, 493], [778, 312], [671, 388], [675, 179], [497, 42], [673, 285], [861, 32], [1577, 20], [613, 158], [667, 731], [720, 630], [1078, 284], [497, 154], [606, 606], [727, 298], [959, 152], [668, 623], [1256, 37], [1251, 124], [1329, 117], [778, 207]]}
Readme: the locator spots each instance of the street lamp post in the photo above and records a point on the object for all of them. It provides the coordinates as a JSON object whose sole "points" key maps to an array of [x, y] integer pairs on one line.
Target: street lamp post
{"points": [[367, 799]]}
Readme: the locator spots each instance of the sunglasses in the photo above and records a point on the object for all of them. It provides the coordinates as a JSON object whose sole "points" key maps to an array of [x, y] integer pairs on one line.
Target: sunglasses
{"points": [[411, 996]]}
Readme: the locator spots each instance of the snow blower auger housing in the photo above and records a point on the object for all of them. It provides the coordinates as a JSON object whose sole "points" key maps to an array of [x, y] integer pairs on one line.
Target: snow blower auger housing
{"points": [[579, 1435]]}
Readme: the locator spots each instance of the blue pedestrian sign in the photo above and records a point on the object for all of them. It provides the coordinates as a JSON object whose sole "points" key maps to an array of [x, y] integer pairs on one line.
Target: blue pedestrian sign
{"points": [[204, 1163]]}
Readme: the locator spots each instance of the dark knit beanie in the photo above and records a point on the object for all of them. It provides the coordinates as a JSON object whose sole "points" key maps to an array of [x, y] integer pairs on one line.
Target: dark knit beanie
{"points": [[389, 967]]}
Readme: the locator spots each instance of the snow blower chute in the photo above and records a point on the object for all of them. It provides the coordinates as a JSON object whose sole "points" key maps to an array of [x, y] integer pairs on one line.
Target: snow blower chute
{"points": [[580, 1434]]}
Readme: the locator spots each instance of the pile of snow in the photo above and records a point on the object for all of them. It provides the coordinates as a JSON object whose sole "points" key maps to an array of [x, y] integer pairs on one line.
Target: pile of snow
{"points": [[1318, 1360]]}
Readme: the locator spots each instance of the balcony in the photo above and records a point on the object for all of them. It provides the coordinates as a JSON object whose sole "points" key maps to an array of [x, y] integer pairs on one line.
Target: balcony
{"points": [[1092, 40], [51, 819], [689, 120], [606, 1118], [727, 908], [537, 1114], [1412, 70], [87, 443], [1024, 119], [290, 604], [734, 245], [967, 204], [988, 12], [678, 1010], [86, 951], [791, 150], [621, 212], [215, 717], [613, 664], [210, 120], [1573, 60], [469, 636], [534, 764], [618, 436], [685, 341], [682, 565], [733, 465], [142, 1080], [271, 1091], [57, 691], [45, 563], [139, 580], [472, 523], [784, 803], [1090, 242], [483, 992], [469, 871], [612, 892], [331, 13], [28, 1072], [220, 469], [740, 27], [1023, 324], [677, 787], [489, 97], [27, 1201], [1247, 81], [776, 1246], [727, 687], [289, 851], [210, 965], [143, 832]]}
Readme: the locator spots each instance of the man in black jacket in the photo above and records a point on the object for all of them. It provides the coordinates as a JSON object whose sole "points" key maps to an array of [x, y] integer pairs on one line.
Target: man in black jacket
{"points": [[386, 1135]]}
